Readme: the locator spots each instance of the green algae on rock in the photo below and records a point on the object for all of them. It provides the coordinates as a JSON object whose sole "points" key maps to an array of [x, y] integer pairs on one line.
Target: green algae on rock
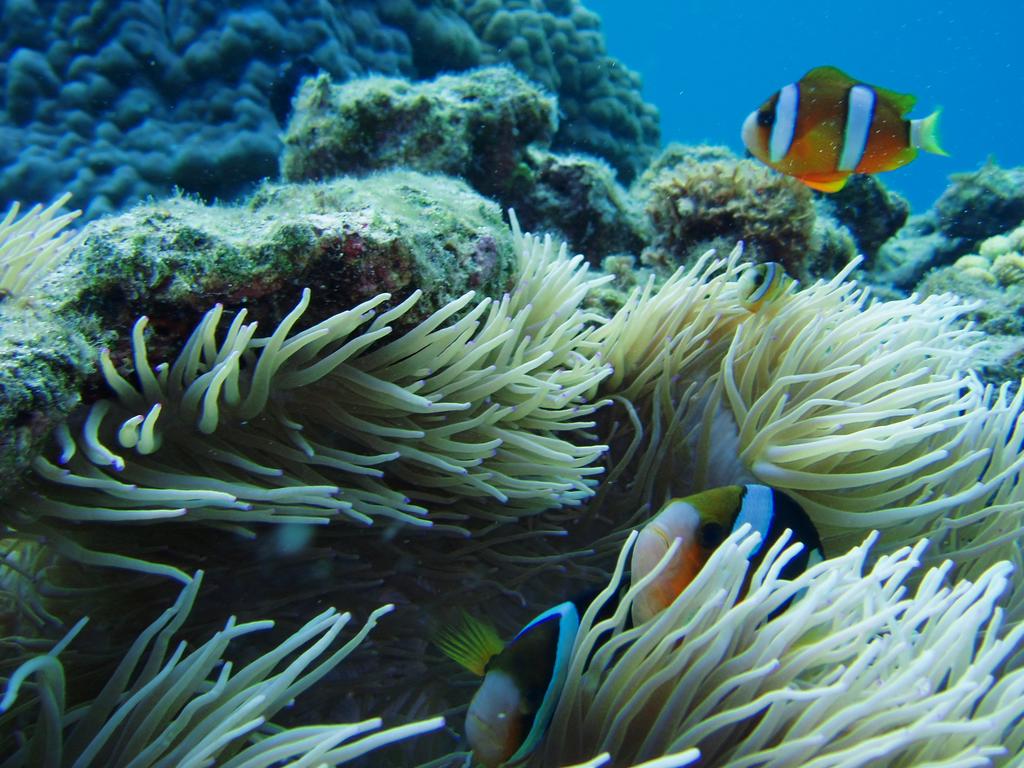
{"points": [[476, 125], [45, 359], [490, 127], [577, 198], [349, 239]]}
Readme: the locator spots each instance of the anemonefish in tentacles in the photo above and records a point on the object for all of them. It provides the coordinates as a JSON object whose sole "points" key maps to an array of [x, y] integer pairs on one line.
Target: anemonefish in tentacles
{"points": [[702, 522], [828, 125], [763, 284], [511, 710]]}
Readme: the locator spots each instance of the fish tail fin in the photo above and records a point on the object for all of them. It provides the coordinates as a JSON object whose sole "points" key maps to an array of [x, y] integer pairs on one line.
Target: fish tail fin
{"points": [[924, 134], [471, 643]]}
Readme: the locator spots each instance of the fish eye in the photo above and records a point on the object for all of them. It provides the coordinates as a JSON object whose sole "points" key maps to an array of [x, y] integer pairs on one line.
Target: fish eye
{"points": [[711, 535], [764, 118]]}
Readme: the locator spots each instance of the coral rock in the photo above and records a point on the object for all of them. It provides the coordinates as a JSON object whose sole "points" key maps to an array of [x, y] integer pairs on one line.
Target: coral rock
{"points": [[980, 204], [872, 213], [696, 205], [578, 198], [348, 239], [558, 43], [476, 126]]}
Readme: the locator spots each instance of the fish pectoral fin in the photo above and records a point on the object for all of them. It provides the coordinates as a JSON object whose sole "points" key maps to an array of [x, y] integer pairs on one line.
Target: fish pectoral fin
{"points": [[833, 185]]}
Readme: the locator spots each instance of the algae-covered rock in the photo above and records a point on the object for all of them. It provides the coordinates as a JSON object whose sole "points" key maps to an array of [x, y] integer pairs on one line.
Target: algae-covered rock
{"points": [[673, 155], [347, 239], [45, 358], [577, 198], [475, 125], [490, 127], [905, 258], [981, 204]]}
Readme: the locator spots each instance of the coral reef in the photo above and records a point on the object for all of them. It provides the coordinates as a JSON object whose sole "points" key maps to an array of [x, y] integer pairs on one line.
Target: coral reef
{"points": [[992, 281], [975, 206], [980, 204], [475, 125], [490, 127], [362, 386], [118, 101], [694, 205], [492, 420], [558, 44], [872, 213]]}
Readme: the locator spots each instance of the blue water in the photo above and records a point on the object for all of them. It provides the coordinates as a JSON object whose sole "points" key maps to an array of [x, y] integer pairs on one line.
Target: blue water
{"points": [[706, 64]]}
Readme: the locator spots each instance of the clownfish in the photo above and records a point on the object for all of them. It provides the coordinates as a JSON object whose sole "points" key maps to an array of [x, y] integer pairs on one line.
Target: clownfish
{"points": [[827, 126], [762, 284], [702, 522], [511, 710]]}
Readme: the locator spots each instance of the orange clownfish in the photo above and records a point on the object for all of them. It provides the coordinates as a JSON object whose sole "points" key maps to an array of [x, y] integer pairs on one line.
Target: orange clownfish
{"points": [[701, 522], [827, 126]]}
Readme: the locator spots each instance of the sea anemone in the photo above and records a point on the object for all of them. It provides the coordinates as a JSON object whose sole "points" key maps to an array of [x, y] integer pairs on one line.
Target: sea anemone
{"points": [[190, 708], [32, 245], [858, 670], [501, 424], [862, 410], [477, 405]]}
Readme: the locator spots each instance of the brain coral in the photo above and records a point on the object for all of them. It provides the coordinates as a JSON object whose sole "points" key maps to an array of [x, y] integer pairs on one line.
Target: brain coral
{"points": [[116, 100]]}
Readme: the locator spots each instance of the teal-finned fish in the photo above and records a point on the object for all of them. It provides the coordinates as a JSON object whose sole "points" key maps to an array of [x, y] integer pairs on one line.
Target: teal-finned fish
{"points": [[828, 125], [522, 680], [702, 521]]}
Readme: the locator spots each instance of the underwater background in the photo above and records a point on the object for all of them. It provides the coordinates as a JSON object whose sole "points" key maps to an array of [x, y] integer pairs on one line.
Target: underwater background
{"points": [[704, 64], [447, 383]]}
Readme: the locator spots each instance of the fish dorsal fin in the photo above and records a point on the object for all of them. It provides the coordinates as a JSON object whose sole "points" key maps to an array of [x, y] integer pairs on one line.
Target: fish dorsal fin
{"points": [[471, 643], [904, 102], [828, 75], [833, 76]]}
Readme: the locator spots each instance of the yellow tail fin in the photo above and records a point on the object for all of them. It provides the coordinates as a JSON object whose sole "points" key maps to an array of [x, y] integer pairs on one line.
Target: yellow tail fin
{"points": [[471, 643], [924, 134]]}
